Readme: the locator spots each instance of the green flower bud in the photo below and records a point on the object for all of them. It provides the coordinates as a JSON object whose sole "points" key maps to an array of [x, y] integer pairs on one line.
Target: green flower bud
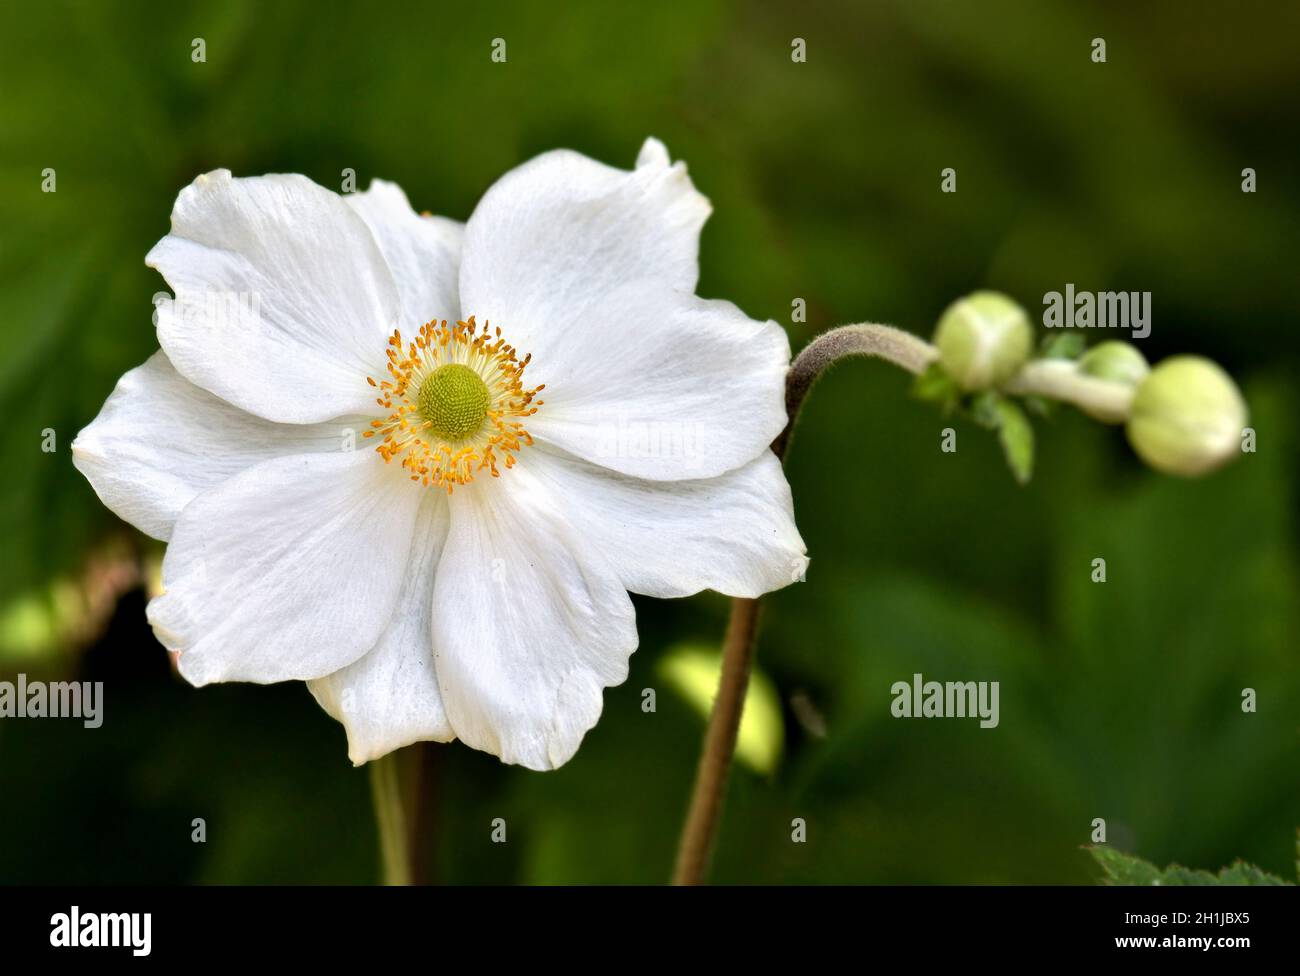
{"points": [[1187, 417], [983, 340], [1115, 362]]}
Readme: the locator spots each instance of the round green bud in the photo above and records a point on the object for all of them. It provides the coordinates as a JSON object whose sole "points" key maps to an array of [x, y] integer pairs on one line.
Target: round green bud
{"points": [[1187, 417], [453, 399], [1114, 362], [983, 340]]}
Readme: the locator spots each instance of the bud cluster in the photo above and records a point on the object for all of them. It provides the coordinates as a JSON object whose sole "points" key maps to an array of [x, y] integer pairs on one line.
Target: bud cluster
{"points": [[1185, 416]]}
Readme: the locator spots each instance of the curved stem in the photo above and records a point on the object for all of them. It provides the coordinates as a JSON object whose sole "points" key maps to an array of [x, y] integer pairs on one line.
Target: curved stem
{"points": [[1057, 379], [900, 348], [394, 838], [882, 341]]}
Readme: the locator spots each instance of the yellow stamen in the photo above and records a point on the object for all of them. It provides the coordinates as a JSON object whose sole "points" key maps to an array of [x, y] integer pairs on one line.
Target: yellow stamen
{"points": [[457, 402]]}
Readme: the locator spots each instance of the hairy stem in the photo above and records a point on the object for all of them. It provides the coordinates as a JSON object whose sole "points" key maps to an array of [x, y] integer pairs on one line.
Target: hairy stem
{"points": [[883, 341], [719, 744], [1056, 379]]}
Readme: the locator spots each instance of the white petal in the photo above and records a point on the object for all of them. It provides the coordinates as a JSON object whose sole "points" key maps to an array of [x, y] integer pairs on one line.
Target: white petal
{"points": [[554, 236], [289, 570], [529, 624], [734, 533], [283, 300], [390, 697], [159, 440], [423, 253], [662, 385]]}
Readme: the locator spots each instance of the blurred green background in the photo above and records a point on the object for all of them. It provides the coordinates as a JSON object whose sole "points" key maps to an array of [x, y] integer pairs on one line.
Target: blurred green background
{"points": [[1119, 701]]}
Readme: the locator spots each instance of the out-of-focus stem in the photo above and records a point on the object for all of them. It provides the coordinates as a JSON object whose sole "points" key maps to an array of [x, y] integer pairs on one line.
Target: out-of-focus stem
{"points": [[390, 816], [1060, 379]]}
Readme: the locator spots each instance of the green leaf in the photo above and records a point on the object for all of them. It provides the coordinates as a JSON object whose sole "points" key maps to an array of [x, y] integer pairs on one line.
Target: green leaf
{"points": [[936, 386], [996, 412], [1017, 438], [1125, 869], [1062, 345], [983, 409]]}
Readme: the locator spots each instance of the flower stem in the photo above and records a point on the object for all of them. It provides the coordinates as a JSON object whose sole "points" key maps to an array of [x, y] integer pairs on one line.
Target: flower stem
{"points": [[882, 341], [390, 816], [903, 350], [1060, 380], [426, 774], [719, 744]]}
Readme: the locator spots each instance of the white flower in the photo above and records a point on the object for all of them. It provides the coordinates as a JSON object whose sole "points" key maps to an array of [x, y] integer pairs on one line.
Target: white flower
{"points": [[364, 492]]}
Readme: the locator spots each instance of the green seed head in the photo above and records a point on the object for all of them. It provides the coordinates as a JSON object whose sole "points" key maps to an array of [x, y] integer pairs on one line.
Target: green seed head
{"points": [[1187, 417], [983, 340], [454, 400]]}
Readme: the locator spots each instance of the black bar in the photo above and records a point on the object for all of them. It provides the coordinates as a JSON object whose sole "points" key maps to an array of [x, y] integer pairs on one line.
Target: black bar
{"points": [[333, 924]]}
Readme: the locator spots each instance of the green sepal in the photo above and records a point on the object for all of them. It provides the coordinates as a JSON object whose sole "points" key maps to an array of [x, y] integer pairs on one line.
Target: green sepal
{"points": [[1016, 435], [1062, 345], [936, 386], [1041, 406]]}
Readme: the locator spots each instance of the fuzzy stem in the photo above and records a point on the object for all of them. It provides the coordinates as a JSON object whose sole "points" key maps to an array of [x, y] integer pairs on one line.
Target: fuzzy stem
{"points": [[883, 341], [719, 744], [1059, 380], [903, 350]]}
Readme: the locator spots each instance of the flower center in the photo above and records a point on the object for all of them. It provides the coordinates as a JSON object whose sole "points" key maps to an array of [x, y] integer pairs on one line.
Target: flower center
{"points": [[454, 401], [457, 401]]}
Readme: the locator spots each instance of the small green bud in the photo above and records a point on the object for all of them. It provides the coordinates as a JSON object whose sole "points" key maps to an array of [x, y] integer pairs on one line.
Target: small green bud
{"points": [[1115, 362], [1187, 417], [983, 340]]}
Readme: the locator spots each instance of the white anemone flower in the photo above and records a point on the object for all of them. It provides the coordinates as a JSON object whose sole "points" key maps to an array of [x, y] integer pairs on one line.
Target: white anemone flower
{"points": [[419, 464]]}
